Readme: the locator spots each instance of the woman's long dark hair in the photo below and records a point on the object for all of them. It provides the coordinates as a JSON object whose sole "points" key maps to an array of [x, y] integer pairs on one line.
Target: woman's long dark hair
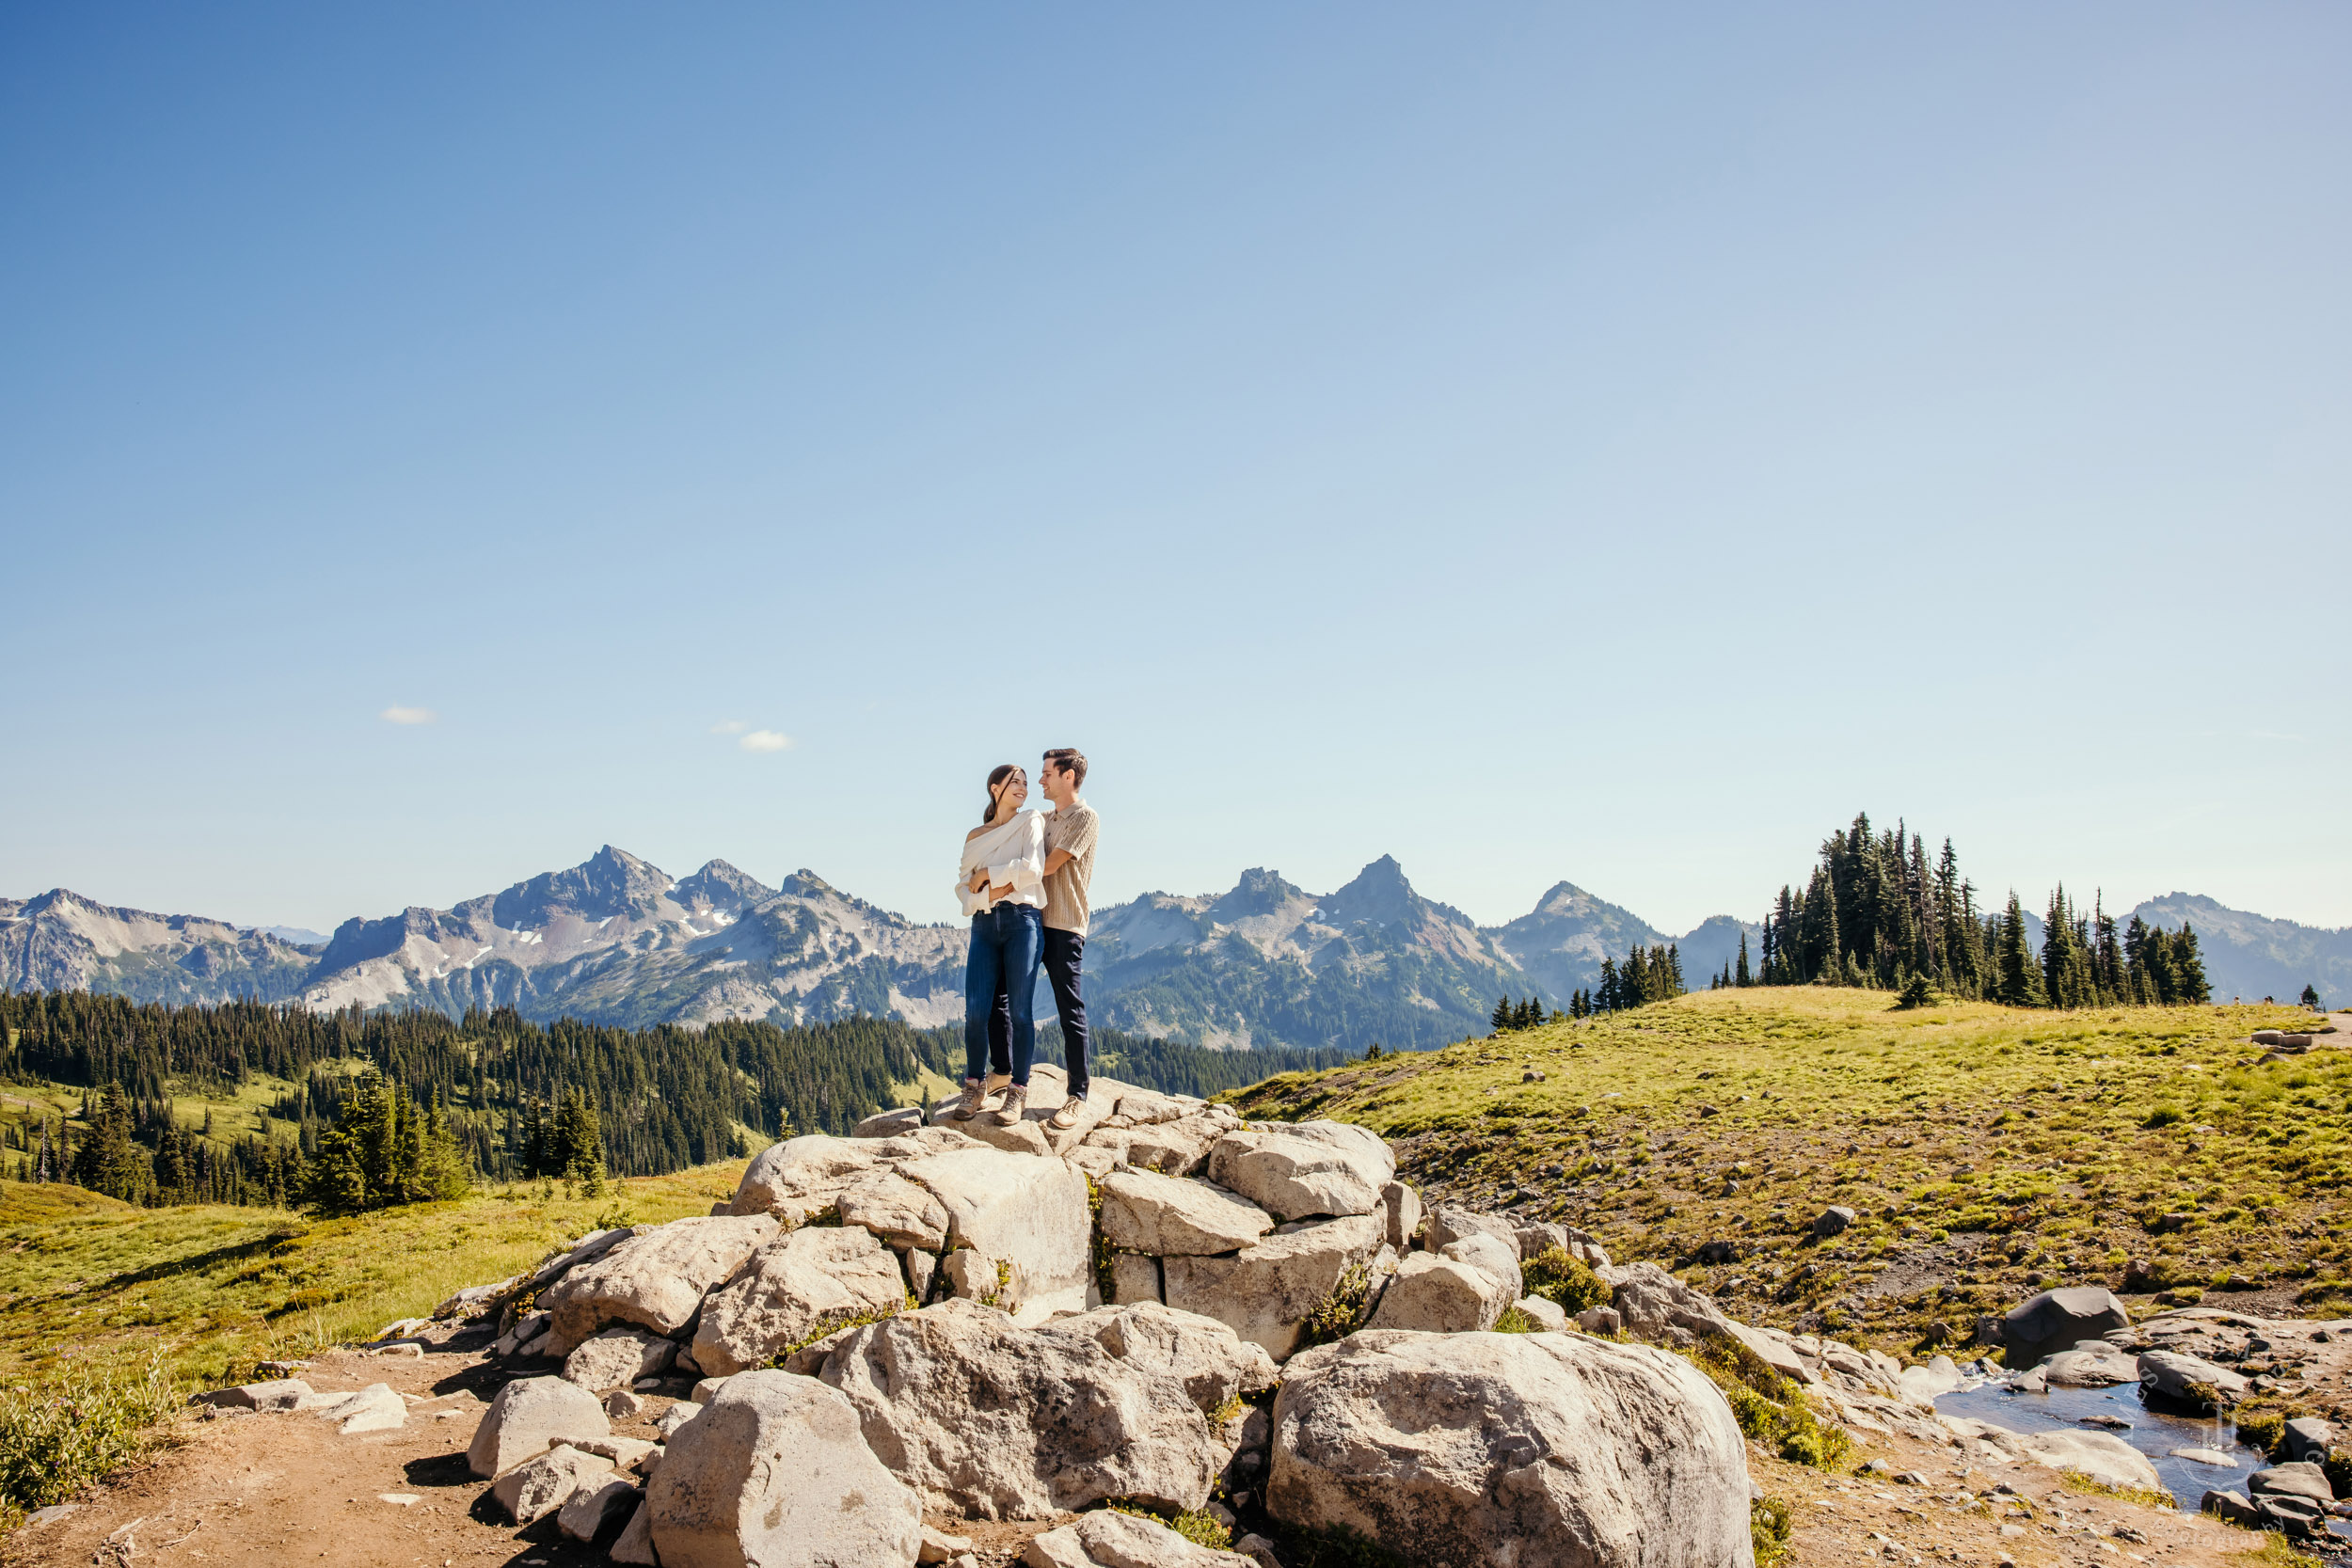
{"points": [[996, 775]]}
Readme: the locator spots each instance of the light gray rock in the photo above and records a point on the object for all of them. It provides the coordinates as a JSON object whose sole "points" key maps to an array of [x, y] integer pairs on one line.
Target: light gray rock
{"points": [[676, 1417], [1163, 1216], [1449, 1223], [525, 1329], [1601, 1320], [1655, 1306], [893, 1208], [594, 1505], [884, 1124], [1135, 1278], [2233, 1506], [586, 1250], [999, 1421], [656, 1280], [773, 1473], [1440, 1295], [1548, 1316], [1496, 1256], [617, 1358], [375, 1408], [2092, 1365], [2058, 1321], [1108, 1539], [791, 1287], [2294, 1481], [938, 1546], [705, 1389], [2171, 1373], [529, 1416], [1020, 1209], [1176, 1147], [1368, 1148], [975, 1276], [539, 1486], [1265, 1292], [2101, 1455], [1541, 1450], [1775, 1348], [1833, 1220], [801, 1176], [282, 1394], [1212, 1362], [1403, 1206], [623, 1452], [1292, 1174], [921, 1268], [1586, 1249], [621, 1405], [2213, 1457]]}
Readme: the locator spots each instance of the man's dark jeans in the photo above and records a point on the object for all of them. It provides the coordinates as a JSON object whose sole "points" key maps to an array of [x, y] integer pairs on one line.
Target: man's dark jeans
{"points": [[1065, 951]]}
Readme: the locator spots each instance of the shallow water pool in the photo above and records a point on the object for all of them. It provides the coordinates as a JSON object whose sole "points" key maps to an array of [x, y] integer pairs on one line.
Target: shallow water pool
{"points": [[2153, 1432]]}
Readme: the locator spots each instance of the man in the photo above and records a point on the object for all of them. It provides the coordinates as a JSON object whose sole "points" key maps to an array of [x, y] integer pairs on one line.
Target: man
{"points": [[1071, 832]]}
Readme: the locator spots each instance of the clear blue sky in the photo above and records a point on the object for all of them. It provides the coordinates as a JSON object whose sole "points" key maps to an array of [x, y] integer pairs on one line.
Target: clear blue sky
{"points": [[1612, 445]]}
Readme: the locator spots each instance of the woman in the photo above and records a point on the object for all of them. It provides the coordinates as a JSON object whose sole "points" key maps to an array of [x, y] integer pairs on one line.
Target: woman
{"points": [[1002, 887]]}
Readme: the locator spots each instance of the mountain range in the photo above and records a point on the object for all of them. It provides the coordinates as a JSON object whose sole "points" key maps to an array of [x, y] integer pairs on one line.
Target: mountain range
{"points": [[618, 940]]}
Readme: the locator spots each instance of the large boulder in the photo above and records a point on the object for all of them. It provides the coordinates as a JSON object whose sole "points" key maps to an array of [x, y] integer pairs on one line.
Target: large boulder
{"points": [[657, 1279], [2101, 1455], [1403, 1206], [1022, 1211], [1656, 1305], [790, 1287], [1539, 1451], [1212, 1362], [1265, 1292], [2303, 1480], [1440, 1295], [2310, 1437], [801, 1176], [2188, 1379], [1108, 1539], [617, 1358], [999, 1421], [1299, 1173], [774, 1473], [529, 1416], [2061, 1320], [1167, 1216]]}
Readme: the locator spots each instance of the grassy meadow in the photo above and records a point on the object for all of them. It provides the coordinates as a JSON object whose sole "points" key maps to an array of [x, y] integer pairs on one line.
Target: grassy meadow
{"points": [[1987, 1151], [85, 1279]]}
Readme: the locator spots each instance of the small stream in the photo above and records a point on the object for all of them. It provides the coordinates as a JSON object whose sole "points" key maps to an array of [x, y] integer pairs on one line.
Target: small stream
{"points": [[2153, 1432]]}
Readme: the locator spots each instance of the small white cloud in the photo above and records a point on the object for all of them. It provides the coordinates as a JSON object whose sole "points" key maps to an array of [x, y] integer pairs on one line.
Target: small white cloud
{"points": [[732, 726], [765, 740], [407, 716]]}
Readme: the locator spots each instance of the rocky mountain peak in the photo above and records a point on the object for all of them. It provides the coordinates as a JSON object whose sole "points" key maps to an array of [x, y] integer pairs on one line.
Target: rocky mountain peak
{"points": [[1258, 892], [1380, 893], [610, 883], [722, 886]]}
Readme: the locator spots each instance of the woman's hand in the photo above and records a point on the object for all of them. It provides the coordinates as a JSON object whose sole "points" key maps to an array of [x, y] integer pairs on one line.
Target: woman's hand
{"points": [[979, 880]]}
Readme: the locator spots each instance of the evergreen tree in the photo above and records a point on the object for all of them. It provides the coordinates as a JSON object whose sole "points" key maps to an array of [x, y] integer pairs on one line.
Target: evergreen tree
{"points": [[1742, 979], [1501, 1018], [2019, 976], [580, 1142]]}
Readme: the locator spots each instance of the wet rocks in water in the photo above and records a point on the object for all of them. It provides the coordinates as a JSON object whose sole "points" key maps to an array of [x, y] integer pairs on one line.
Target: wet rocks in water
{"points": [[2092, 1365], [2189, 1380]]}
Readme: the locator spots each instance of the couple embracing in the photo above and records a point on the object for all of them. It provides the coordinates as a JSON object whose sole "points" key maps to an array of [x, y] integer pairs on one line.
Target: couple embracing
{"points": [[1024, 882]]}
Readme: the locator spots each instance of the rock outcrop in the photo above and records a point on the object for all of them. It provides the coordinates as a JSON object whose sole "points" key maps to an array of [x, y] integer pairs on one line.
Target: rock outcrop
{"points": [[656, 1280], [1265, 1292], [529, 1416], [792, 1286], [2058, 1321]]}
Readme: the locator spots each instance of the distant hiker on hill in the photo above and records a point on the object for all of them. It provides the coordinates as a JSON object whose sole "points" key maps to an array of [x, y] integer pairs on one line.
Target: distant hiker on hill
{"points": [[1070, 836], [1001, 884]]}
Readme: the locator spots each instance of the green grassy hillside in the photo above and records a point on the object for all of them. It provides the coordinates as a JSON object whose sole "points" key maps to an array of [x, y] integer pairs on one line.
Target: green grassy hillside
{"points": [[89, 1280], [1988, 1151]]}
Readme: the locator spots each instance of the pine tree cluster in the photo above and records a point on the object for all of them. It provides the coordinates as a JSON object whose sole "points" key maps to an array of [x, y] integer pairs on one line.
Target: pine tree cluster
{"points": [[1873, 915]]}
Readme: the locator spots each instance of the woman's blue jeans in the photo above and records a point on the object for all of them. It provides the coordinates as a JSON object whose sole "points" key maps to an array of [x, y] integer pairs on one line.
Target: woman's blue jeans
{"points": [[1006, 943]]}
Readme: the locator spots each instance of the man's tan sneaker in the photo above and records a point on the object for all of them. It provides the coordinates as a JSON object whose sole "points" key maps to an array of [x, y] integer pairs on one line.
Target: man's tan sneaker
{"points": [[1016, 1103], [1066, 1117], [969, 1106]]}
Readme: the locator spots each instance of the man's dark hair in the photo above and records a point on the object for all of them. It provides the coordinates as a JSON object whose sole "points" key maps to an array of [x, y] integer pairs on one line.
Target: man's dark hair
{"points": [[1069, 760]]}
